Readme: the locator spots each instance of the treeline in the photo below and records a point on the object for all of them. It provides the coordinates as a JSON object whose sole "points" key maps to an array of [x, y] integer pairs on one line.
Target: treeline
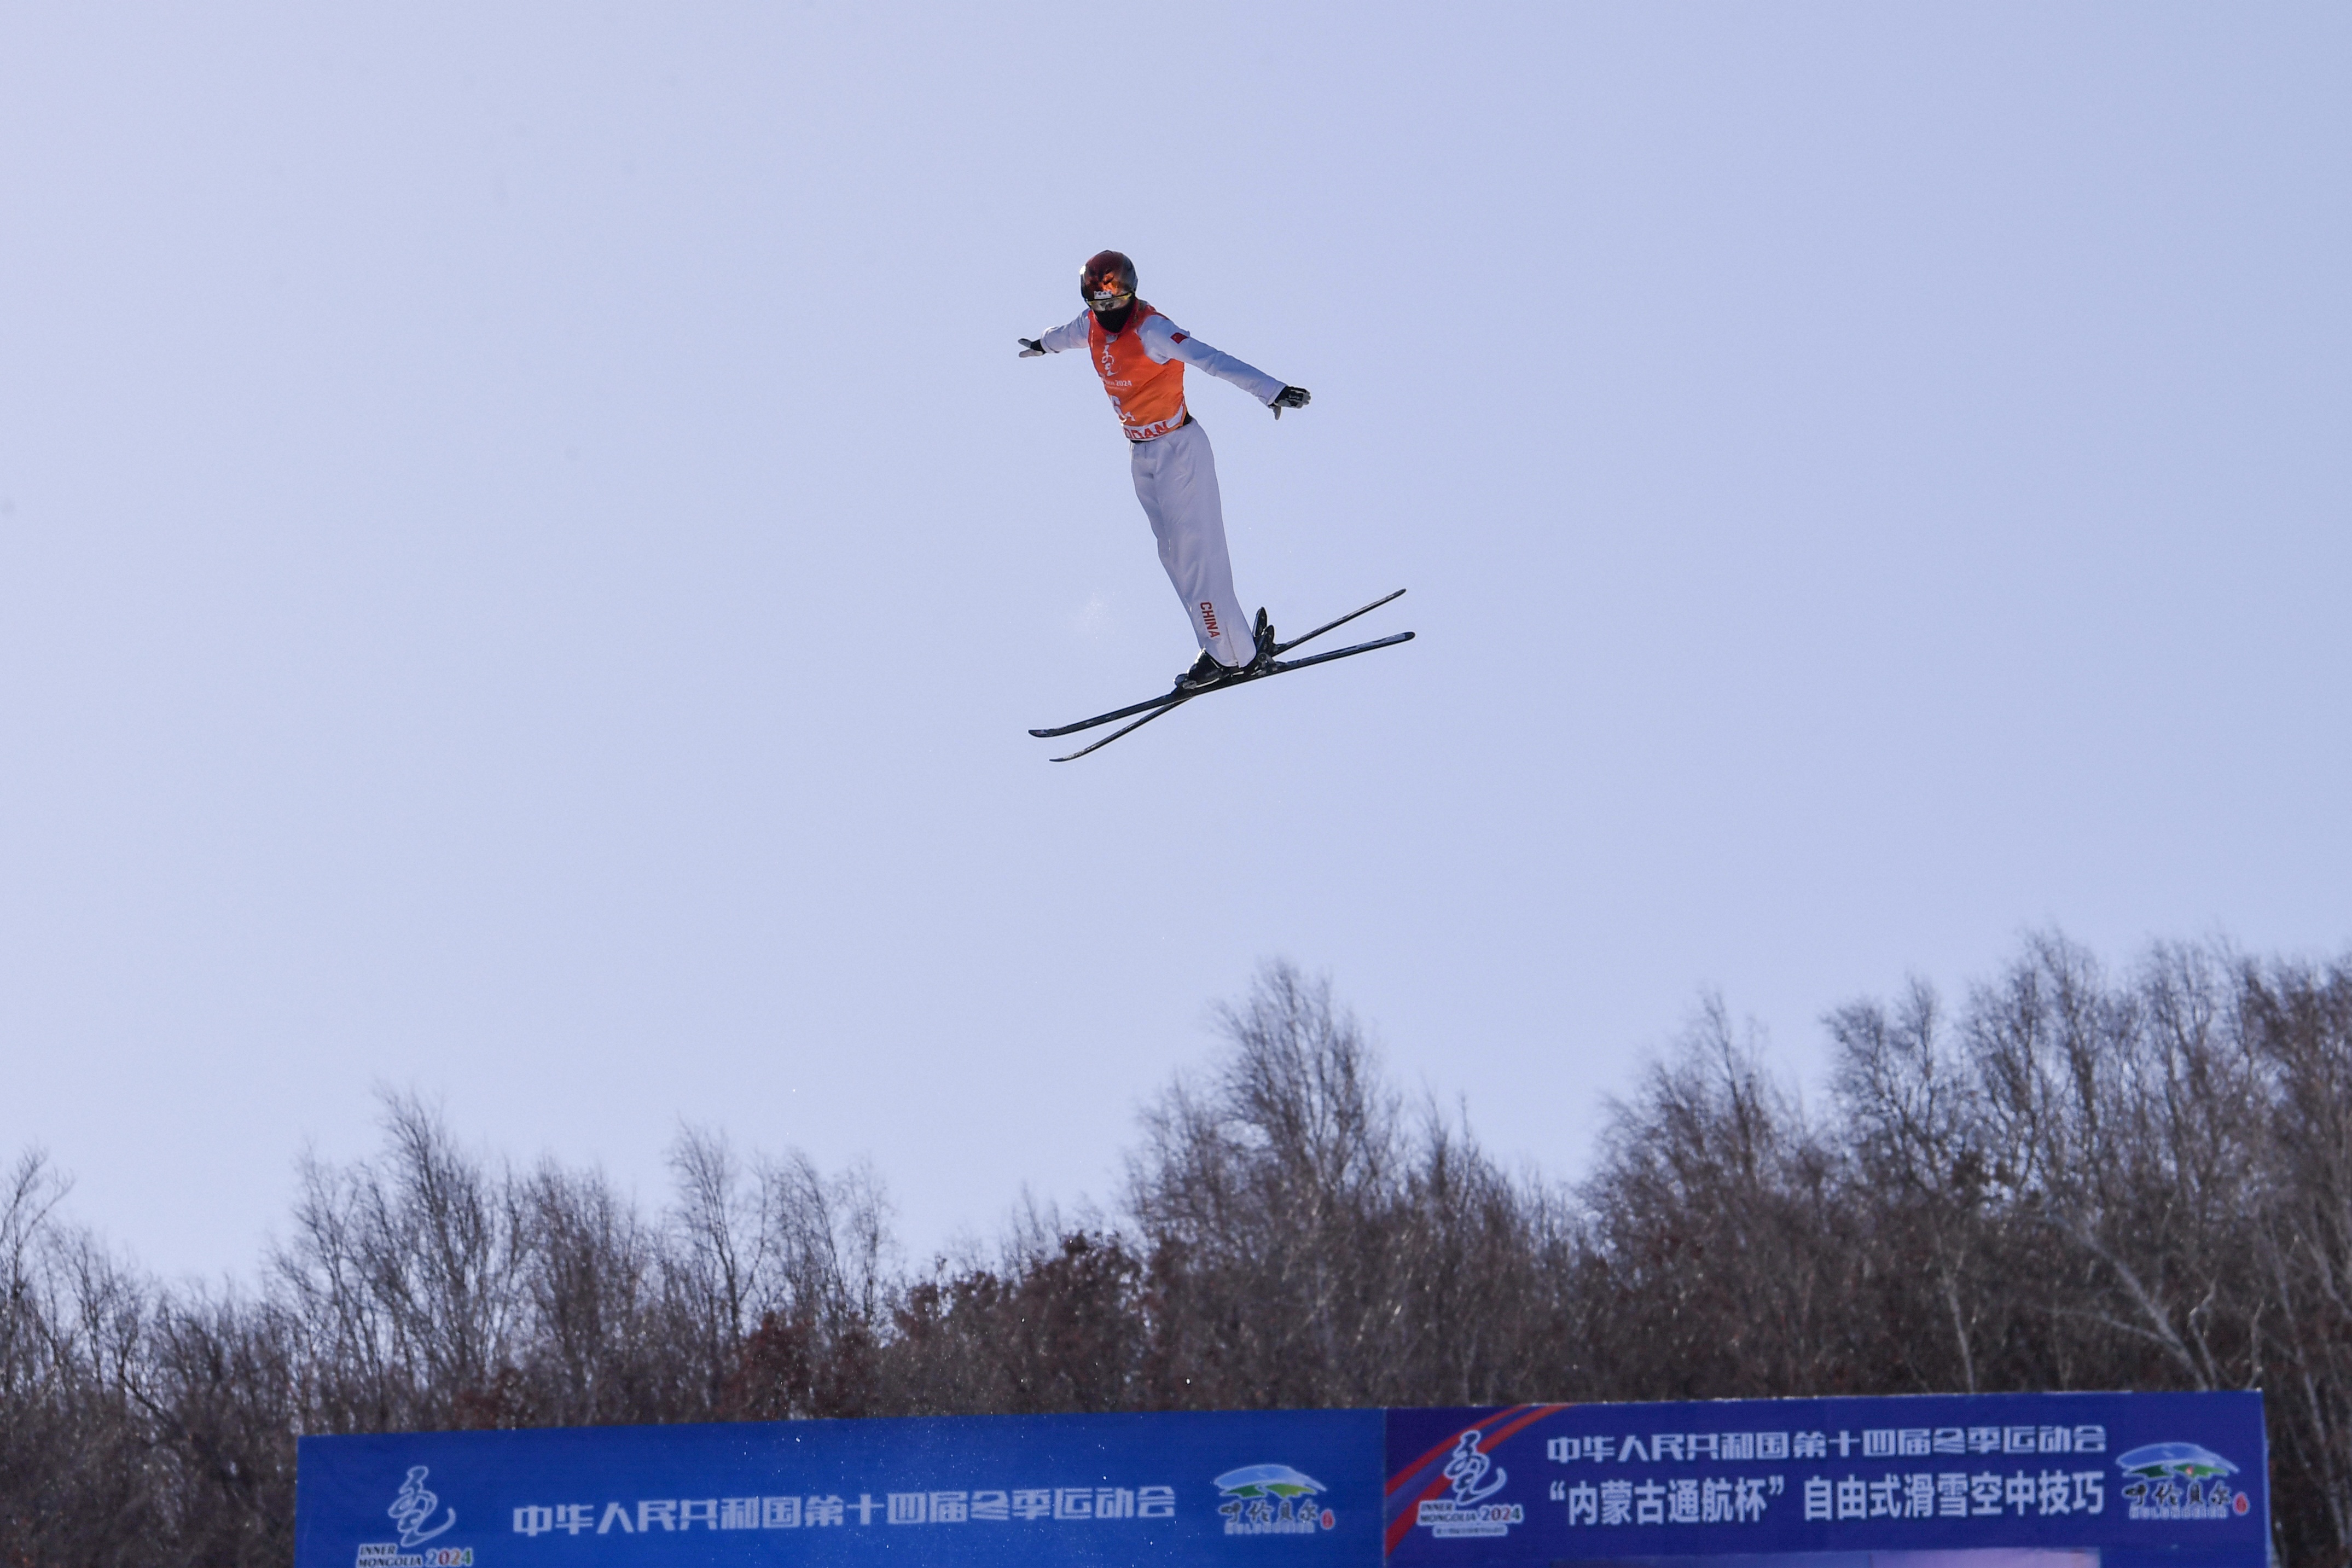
{"points": [[2072, 1181]]}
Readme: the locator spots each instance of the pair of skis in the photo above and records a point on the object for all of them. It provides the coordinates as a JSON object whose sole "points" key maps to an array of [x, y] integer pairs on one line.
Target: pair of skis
{"points": [[1158, 706]]}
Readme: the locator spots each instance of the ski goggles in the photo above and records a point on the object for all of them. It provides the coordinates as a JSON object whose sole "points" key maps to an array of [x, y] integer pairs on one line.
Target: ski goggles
{"points": [[1102, 304]]}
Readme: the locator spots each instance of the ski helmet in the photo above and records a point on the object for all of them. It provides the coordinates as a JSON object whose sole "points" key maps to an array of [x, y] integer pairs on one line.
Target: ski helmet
{"points": [[1108, 283]]}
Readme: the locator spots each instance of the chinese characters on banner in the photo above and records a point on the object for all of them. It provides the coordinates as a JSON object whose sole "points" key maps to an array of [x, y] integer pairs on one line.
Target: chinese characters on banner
{"points": [[816, 1513], [2068, 1472]]}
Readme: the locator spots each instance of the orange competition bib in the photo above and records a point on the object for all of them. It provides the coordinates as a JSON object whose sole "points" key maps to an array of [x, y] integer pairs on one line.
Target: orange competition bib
{"points": [[1147, 397]]}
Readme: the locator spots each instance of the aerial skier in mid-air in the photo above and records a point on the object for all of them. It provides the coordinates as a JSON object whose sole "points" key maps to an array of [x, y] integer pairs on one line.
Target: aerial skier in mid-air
{"points": [[1140, 355]]}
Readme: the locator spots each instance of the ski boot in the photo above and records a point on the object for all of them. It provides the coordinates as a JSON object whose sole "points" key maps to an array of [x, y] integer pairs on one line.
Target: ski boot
{"points": [[1205, 672]]}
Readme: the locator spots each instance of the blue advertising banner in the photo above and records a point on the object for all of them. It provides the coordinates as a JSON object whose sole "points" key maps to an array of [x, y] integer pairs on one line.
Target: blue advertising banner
{"points": [[1244, 1489], [2053, 1480], [2067, 1481]]}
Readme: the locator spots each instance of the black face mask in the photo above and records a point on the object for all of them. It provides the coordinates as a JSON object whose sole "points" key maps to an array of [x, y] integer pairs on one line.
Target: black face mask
{"points": [[1115, 321]]}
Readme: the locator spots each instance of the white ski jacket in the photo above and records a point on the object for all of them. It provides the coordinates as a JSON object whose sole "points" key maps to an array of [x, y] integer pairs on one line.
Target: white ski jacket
{"points": [[1163, 340]]}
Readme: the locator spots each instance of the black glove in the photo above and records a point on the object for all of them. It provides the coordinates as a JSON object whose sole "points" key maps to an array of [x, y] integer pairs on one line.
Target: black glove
{"points": [[1290, 397], [1030, 347]]}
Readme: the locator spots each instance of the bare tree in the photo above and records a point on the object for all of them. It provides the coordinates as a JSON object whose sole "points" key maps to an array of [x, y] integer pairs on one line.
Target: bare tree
{"points": [[403, 1275], [1312, 1243], [2299, 1021]]}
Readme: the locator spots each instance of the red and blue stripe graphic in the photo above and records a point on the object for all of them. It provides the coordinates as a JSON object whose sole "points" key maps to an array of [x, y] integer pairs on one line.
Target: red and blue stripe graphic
{"points": [[1424, 1477]]}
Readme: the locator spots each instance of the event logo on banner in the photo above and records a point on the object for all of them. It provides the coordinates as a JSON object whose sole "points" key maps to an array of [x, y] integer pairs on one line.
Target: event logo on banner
{"points": [[412, 1509], [1471, 1478], [1272, 1500], [2181, 1480], [2122, 1476], [412, 1514]]}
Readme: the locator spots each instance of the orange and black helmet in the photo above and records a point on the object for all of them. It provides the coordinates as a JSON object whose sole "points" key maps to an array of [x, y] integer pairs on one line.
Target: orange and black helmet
{"points": [[1108, 281]]}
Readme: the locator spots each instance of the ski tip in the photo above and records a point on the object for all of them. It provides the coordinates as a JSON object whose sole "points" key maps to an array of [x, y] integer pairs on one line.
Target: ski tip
{"points": [[1043, 735]]}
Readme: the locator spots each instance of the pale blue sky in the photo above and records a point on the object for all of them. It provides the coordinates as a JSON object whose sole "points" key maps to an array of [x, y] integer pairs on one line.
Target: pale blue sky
{"points": [[527, 556]]}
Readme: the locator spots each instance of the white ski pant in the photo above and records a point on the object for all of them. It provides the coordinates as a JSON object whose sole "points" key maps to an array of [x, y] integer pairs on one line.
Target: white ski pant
{"points": [[1176, 480]]}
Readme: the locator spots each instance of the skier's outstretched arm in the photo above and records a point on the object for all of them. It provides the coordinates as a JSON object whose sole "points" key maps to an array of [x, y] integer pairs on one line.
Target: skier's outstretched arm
{"points": [[1060, 339], [1164, 340]]}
